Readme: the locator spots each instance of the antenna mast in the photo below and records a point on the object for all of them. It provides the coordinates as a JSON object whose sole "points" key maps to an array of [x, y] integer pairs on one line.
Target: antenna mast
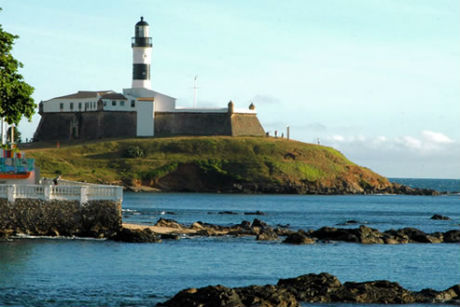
{"points": [[194, 91]]}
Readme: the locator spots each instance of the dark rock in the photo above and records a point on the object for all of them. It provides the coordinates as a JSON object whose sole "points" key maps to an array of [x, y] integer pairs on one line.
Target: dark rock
{"points": [[211, 296], [220, 296], [363, 234], [245, 224], [312, 287], [426, 295], [451, 296], [170, 236], [266, 296], [228, 212], [440, 217], [254, 213], [267, 234], [412, 234], [283, 231], [168, 223], [298, 237], [375, 292], [258, 223], [452, 236], [136, 236], [397, 188]]}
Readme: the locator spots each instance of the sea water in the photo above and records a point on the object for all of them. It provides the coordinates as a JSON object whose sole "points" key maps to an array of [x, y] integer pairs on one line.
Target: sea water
{"points": [[64, 272]]}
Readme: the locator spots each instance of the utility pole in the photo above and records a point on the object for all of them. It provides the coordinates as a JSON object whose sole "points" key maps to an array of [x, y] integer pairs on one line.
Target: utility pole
{"points": [[287, 132], [194, 91], [3, 132]]}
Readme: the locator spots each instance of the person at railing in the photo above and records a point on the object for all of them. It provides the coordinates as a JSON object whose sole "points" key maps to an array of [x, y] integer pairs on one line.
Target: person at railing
{"points": [[56, 180]]}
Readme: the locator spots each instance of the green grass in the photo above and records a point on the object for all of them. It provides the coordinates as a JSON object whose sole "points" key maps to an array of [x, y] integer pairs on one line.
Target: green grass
{"points": [[241, 159]]}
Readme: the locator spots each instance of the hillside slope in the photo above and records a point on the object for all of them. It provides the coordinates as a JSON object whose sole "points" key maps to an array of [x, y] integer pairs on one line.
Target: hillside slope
{"points": [[212, 164]]}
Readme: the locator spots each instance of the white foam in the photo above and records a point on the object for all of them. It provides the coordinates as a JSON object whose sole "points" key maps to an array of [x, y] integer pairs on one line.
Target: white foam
{"points": [[26, 236]]}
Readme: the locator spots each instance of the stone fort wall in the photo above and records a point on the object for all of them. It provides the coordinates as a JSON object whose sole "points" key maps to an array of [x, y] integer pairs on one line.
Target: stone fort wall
{"points": [[100, 124], [85, 125], [183, 123]]}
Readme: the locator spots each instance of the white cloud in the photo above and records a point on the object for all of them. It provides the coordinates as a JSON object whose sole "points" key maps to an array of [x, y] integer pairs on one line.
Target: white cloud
{"points": [[426, 143], [409, 142], [436, 137], [429, 154], [338, 138]]}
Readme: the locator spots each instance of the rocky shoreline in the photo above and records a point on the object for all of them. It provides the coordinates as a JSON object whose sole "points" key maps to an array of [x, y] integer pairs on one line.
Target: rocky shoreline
{"points": [[171, 229], [307, 188], [311, 288]]}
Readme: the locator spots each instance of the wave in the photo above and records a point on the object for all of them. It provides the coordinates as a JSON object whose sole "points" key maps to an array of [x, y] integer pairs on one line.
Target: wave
{"points": [[128, 210], [26, 236]]}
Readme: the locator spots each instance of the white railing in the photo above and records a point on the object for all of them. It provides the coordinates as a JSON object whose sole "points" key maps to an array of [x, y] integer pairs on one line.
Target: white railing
{"points": [[82, 193], [58, 180]]}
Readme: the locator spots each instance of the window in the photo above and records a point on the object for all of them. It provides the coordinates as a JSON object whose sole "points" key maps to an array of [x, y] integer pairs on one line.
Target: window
{"points": [[122, 103], [79, 106], [105, 103], [61, 106], [114, 103], [71, 105], [133, 103]]}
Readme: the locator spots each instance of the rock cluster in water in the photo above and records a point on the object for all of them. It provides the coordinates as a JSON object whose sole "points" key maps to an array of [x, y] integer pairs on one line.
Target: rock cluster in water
{"points": [[367, 235], [262, 231], [440, 217], [311, 288]]}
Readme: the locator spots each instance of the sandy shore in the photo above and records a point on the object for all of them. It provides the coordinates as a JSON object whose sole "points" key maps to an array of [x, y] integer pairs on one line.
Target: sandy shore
{"points": [[160, 229], [176, 228]]}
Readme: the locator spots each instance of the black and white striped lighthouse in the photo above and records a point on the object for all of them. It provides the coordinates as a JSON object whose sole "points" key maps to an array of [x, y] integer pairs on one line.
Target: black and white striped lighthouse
{"points": [[142, 55]]}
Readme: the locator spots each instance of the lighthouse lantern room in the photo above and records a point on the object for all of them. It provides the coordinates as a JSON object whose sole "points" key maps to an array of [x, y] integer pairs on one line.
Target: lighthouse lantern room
{"points": [[142, 55]]}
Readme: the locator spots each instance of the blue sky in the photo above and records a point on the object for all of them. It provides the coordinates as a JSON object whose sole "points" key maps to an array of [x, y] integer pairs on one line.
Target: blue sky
{"points": [[378, 80]]}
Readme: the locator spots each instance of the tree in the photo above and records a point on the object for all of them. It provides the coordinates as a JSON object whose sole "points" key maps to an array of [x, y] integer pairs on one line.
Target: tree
{"points": [[17, 135], [15, 93]]}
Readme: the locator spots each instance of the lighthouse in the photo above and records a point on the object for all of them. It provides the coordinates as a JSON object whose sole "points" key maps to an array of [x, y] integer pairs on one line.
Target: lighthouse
{"points": [[142, 55]]}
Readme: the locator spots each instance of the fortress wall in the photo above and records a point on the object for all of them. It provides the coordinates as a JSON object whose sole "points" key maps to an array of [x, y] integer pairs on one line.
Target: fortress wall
{"points": [[176, 123], [95, 125], [86, 125], [117, 124], [97, 219], [54, 126], [246, 125]]}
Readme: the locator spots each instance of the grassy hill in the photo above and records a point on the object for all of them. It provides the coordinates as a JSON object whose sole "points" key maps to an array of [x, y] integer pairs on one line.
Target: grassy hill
{"points": [[210, 164]]}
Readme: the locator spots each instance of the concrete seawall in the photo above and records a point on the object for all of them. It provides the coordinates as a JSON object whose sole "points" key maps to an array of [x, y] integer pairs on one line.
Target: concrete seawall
{"points": [[97, 218]]}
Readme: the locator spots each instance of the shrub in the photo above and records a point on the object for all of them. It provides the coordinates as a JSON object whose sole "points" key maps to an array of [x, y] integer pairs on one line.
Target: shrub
{"points": [[134, 151]]}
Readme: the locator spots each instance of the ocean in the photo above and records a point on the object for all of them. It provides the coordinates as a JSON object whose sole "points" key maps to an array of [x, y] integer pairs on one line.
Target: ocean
{"points": [[88, 272]]}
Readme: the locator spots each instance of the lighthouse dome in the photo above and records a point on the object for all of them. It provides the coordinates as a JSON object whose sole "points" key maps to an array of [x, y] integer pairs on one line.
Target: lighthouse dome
{"points": [[142, 22]]}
